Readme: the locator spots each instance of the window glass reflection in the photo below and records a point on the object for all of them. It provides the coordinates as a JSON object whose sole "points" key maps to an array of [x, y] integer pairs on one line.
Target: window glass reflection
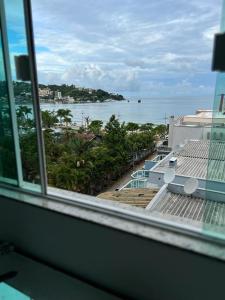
{"points": [[23, 92], [8, 172]]}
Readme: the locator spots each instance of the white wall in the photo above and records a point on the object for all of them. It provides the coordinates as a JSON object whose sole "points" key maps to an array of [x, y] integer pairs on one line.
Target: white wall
{"points": [[181, 133]]}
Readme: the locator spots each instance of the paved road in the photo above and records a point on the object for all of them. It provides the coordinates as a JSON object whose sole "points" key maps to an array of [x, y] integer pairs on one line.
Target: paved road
{"points": [[127, 177]]}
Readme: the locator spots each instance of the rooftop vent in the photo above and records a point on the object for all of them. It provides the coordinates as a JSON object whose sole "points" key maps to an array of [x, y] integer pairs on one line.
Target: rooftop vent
{"points": [[173, 162]]}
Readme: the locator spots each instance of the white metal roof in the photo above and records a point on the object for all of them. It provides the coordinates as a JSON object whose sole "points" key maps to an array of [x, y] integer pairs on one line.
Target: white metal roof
{"points": [[200, 159], [191, 210]]}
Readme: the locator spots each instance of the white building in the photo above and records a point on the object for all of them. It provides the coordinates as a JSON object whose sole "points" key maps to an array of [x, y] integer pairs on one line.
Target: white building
{"points": [[80, 88], [68, 99], [195, 127], [45, 92], [57, 95]]}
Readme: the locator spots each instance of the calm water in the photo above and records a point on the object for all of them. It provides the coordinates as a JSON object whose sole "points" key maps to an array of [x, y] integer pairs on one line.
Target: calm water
{"points": [[149, 110]]}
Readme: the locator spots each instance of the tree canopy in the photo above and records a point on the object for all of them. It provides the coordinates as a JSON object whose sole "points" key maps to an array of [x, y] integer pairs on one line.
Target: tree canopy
{"points": [[80, 163]]}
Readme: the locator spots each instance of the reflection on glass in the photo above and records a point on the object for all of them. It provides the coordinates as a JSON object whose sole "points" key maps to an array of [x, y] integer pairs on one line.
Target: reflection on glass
{"points": [[215, 184], [191, 185], [23, 92], [8, 170]]}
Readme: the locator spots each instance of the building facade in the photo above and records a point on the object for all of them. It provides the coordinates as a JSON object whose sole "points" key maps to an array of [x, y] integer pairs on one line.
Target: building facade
{"points": [[195, 127]]}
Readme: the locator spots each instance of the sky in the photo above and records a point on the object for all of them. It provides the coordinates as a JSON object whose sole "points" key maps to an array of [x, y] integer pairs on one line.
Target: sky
{"points": [[133, 47]]}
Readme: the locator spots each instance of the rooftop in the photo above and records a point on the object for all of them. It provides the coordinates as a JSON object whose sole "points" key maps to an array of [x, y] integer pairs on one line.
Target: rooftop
{"points": [[199, 159], [190, 210], [201, 117], [135, 197]]}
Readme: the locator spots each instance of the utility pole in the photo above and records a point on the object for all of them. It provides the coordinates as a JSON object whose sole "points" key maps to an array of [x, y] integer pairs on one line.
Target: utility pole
{"points": [[87, 121], [221, 105], [82, 120], [165, 124], [165, 119]]}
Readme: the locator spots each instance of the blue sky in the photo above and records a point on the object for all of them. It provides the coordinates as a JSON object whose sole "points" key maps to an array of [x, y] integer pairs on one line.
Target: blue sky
{"points": [[134, 47]]}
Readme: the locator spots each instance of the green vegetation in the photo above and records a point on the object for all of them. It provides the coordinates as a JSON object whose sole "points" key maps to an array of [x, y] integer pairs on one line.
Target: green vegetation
{"points": [[132, 126], [83, 94], [7, 154], [20, 88], [84, 159], [49, 119], [95, 126], [64, 116], [22, 91]]}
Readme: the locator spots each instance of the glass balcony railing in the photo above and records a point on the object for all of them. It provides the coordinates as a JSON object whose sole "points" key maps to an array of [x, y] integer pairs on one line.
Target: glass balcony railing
{"points": [[140, 174], [136, 184]]}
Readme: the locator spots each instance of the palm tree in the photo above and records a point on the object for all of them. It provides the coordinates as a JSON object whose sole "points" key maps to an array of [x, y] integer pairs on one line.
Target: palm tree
{"points": [[23, 113], [95, 126], [67, 120], [49, 118], [64, 115]]}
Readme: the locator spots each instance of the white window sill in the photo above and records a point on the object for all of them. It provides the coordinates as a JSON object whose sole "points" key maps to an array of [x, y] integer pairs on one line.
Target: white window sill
{"points": [[123, 217]]}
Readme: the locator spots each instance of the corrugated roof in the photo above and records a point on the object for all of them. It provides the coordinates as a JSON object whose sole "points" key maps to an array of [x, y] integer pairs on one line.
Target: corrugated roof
{"points": [[201, 159], [193, 167], [188, 209], [204, 149]]}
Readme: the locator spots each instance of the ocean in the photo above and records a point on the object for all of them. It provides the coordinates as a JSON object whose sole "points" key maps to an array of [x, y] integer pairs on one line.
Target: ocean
{"points": [[150, 110]]}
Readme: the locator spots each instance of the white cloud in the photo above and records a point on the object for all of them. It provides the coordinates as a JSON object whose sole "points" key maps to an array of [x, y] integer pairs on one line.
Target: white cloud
{"points": [[209, 33], [106, 76], [126, 45]]}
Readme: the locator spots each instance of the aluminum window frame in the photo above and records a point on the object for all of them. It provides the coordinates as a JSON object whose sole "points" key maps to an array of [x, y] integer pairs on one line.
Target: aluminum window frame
{"points": [[81, 200]]}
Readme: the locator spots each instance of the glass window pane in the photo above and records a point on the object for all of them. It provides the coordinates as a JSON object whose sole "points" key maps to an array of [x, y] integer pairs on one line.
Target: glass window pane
{"points": [[8, 170], [95, 145], [214, 213], [23, 92]]}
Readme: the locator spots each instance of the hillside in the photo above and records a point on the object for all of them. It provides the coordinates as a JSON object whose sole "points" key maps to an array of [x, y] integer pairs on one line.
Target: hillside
{"points": [[79, 94], [83, 94]]}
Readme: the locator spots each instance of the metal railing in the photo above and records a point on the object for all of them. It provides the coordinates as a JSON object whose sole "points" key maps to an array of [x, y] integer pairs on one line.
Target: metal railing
{"points": [[135, 184], [140, 174]]}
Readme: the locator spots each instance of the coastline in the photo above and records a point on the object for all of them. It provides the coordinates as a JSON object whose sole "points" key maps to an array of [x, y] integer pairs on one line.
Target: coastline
{"points": [[82, 102], [149, 110]]}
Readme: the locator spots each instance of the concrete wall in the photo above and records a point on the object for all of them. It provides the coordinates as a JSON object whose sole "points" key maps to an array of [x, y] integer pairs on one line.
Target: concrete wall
{"points": [[217, 195], [211, 186], [121, 263], [178, 134]]}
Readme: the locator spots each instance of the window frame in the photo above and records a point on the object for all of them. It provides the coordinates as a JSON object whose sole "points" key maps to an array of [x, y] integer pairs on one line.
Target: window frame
{"points": [[80, 200]]}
